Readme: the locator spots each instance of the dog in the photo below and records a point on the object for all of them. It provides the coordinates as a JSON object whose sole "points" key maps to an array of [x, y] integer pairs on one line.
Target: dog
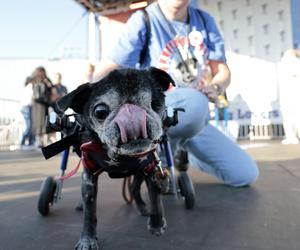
{"points": [[124, 114]]}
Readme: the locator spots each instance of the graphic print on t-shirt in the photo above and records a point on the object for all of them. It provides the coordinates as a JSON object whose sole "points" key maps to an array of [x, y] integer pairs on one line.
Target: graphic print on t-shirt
{"points": [[185, 59]]}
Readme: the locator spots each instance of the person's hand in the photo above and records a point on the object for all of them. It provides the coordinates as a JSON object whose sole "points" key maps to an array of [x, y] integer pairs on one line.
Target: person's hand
{"points": [[211, 92]]}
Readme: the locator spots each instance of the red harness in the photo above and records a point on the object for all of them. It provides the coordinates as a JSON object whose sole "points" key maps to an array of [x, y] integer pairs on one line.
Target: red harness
{"points": [[95, 160]]}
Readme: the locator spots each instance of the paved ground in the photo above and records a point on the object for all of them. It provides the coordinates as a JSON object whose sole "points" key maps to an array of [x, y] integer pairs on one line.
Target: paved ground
{"points": [[263, 217]]}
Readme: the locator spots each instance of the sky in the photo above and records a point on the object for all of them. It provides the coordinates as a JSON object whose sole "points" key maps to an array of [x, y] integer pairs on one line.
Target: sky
{"points": [[39, 28]]}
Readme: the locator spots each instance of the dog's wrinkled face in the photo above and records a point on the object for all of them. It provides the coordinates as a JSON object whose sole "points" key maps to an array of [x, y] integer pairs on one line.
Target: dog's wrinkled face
{"points": [[124, 109]]}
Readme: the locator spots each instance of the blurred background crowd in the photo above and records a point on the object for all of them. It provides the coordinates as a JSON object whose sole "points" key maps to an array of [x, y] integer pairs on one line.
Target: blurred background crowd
{"points": [[37, 101], [262, 49]]}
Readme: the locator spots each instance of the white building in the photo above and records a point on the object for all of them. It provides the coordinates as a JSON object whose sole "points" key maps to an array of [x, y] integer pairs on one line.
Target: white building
{"points": [[258, 28]]}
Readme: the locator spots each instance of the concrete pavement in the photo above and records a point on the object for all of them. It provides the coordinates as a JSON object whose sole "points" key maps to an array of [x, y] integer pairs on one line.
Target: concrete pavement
{"points": [[265, 216]]}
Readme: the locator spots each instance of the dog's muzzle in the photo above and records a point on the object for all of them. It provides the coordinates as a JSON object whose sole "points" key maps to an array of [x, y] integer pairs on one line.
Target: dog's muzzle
{"points": [[131, 120]]}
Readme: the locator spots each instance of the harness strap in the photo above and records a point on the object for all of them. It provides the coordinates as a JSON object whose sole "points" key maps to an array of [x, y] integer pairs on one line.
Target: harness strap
{"points": [[91, 163], [126, 189], [150, 168], [73, 172], [147, 37], [59, 146]]}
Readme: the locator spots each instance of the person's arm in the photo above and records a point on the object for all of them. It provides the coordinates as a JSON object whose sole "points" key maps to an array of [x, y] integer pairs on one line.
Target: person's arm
{"points": [[220, 75], [103, 68], [220, 80], [217, 61], [126, 52]]}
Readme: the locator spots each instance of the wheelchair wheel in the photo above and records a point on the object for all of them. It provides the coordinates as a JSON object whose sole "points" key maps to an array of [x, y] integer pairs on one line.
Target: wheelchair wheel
{"points": [[46, 196], [186, 189]]}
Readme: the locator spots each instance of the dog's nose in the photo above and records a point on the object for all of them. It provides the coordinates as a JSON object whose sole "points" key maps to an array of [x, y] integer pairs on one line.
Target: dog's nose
{"points": [[131, 120]]}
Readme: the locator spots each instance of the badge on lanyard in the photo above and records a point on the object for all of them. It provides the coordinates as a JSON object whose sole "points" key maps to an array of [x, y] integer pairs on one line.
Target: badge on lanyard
{"points": [[196, 38]]}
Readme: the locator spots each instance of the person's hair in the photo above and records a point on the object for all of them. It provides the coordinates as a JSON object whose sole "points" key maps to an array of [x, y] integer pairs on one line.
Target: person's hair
{"points": [[38, 69], [43, 70]]}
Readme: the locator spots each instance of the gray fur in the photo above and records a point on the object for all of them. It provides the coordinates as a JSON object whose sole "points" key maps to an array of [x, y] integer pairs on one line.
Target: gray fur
{"points": [[143, 89]]}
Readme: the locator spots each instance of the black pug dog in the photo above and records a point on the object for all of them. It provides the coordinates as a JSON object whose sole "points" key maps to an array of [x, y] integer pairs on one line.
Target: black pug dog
{"points": [[124, 114]]}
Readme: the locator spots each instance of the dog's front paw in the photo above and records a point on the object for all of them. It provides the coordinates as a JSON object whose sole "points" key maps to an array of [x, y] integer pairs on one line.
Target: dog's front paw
{"points": [[87, 243], [157, 231]]}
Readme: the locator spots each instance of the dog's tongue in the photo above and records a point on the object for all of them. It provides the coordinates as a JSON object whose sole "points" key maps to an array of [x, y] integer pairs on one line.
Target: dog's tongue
{"points": [[131, 120]]}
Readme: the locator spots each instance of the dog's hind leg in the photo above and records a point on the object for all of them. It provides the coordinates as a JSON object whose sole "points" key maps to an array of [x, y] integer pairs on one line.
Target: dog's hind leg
{"points": [[136, 193], [89, 188], [157, 224]]}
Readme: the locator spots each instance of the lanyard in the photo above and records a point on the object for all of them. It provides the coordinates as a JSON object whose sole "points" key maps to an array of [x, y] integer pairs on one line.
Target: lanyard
{"points": [[172, 31], [174, 34]]}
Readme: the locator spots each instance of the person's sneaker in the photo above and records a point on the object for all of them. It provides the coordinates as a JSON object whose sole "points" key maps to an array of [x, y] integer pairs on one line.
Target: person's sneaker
{"points": [[181, 160]]}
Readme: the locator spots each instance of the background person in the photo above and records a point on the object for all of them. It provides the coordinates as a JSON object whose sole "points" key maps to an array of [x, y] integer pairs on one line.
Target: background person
{"points": [[289, 80], [186, 43], [41, 101], [27, 140], [58, 90], [89, 74]]}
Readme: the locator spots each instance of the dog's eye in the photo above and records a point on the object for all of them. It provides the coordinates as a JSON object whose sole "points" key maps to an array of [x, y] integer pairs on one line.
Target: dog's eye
{"points": [[101, 111]]}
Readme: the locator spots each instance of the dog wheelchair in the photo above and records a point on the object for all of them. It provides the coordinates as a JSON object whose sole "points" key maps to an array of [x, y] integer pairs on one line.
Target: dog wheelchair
{"points": [[179, 185]]}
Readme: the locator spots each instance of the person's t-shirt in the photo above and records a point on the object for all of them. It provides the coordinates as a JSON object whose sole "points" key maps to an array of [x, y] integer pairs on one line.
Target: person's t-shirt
{"points": [[180, 48], [60, 89]]}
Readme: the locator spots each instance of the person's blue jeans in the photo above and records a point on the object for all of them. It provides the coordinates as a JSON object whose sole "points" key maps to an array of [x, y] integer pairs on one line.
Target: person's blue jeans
{"points": [[208, 148], [27, 133]]}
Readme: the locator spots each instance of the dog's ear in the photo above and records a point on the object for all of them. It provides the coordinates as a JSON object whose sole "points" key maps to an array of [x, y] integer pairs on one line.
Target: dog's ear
{"points": [[75, 99], [162, 78]]}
